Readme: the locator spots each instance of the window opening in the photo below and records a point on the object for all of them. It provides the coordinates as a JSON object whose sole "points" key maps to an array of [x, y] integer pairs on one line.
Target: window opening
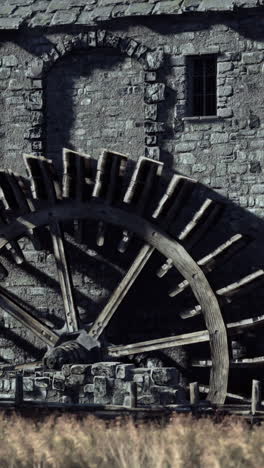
{"points": [[202, 85]]}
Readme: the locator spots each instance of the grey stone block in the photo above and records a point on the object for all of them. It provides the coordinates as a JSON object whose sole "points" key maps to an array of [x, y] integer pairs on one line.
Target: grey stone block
{"points": [[107, 369], [4, 74], [152, 152], [9, 61], [151, 111], [65, 17], [135, 9], [185, 147], [28, 384], [42, 382], [102, 390], [58, 382], [154, 60], [225, 91], [81, 369], [219, 138], [154, 93], [10, 22], [252, 57], [123, 371], [165, 376], [154, 127], [74, 380]]}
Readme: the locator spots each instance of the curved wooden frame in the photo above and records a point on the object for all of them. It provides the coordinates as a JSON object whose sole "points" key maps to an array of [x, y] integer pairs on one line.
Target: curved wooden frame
{"points": [[170, 248]]}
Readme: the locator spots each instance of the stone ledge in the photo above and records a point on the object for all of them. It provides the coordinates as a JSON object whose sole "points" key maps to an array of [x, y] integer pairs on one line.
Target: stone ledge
{"points": [[206, 118]]}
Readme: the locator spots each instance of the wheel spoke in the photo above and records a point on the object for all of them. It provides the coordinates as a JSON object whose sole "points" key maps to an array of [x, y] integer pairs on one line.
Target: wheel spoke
{"points": [[12, 306], [180, 340], [160, 343], [64, 276], [121, 291]]}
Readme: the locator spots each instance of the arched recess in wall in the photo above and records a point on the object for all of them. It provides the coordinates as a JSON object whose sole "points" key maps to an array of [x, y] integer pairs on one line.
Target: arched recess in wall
{"points": [[95, 100], [98, 90]]}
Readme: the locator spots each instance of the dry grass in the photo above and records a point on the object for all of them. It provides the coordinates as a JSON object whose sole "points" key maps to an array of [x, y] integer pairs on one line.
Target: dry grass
{"points": [[67, 442]]}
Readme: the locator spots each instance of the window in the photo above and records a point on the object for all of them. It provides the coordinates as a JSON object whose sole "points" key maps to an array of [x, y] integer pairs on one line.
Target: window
{"points": [[201, 77]]}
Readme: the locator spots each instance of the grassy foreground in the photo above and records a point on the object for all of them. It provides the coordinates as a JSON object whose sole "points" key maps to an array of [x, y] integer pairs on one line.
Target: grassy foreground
{"points": [[65, 441]]}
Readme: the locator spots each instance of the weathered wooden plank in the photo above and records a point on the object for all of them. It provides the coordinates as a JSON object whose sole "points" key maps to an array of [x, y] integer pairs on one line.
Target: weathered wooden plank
{"points": [[180, 340], [120, 292], [19, 389], [77, 182], [191, 312], [215, 258], [169, 248], [77, 174], [160, 343], [139, 191], [251, 322], [64, 275], [12, 195], [194, 393], [241, 362], [16, 252], [43, 179], [246, 284], [12, 306], [255, 396], [173, 200], [108, 183]]}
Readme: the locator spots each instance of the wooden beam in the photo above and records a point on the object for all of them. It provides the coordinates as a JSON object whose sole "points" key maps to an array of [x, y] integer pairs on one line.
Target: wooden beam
{"points": [[11, 305], [255, 396], [157, 344], [139, 191], [45, 186], [173, 200], [241, 362], [246, 284], [194, 393], [64, 275], [77, 182], [121, 291], [179, 340], [108, 183], [43, 180]]}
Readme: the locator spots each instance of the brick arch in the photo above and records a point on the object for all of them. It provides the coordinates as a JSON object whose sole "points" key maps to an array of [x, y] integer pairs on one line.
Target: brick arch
{"points": [[150, 60]]}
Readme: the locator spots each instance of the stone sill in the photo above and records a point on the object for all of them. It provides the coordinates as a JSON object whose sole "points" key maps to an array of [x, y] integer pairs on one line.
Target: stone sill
{"points": [[206, 118]]}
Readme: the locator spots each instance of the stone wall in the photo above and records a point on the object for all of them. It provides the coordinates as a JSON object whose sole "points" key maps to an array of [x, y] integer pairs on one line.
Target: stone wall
{"points": [[126, 89]]}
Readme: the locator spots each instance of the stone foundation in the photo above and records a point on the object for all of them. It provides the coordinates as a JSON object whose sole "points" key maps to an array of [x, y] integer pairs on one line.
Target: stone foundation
{"points": [[103, 383]]}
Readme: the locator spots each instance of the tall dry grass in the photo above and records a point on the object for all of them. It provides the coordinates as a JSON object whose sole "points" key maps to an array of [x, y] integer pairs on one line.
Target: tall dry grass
{"points": [[69, 442]]}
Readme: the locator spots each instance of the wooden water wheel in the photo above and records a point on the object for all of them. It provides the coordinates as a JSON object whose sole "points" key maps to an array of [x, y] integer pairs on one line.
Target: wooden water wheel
{"points": [[102, 193]]}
